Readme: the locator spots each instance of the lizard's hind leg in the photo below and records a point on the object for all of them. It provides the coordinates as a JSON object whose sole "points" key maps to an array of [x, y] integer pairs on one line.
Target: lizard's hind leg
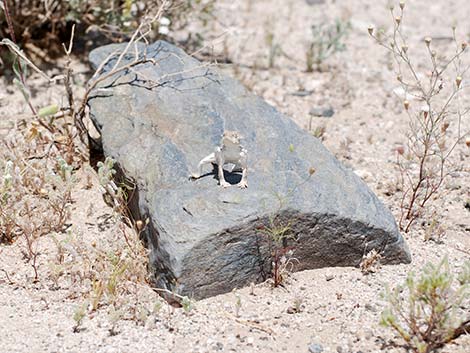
{"points": [[206, 160]]}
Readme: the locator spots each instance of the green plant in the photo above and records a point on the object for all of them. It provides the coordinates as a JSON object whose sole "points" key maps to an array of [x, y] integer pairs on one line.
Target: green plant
{"points": [[327, 39], [187, 304], [319, 132], [114, 316], [238, 304], [156, 308], [435, 119], [106, 173], [298, 302], [434, 230], [278, 231], [78, 316], [7, 222], [297, 305], [430, 310], [274, 49]]}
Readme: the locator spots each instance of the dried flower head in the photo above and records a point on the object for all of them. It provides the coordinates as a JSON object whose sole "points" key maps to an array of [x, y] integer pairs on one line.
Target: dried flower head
{"points": [[402, 5], [406, 104], [398, 20], [425, 111], [428, 40], [445, 126], [370, 29], [467, 141], [311, 171], [458, 81]]}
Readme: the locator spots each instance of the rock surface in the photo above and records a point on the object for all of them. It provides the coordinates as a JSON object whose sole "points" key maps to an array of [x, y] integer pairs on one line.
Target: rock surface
{"points": [[324, 112], [159, 119]]}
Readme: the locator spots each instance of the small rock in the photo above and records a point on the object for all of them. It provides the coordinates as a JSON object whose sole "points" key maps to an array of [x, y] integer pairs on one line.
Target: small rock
{"points": [[218, 346], [315, 348], [311, 85], [293, 310], [370, 307], [363, 174], [314, 2], [302, 93], [467, 205], [329, 277], [324, 112], [368, 334]]}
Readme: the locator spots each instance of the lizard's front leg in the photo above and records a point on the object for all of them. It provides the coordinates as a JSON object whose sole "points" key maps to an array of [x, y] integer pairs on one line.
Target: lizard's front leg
{"points": [[244, 165], [220, 161]]}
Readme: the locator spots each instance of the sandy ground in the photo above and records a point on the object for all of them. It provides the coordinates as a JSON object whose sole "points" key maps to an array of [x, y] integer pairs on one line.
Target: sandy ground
{"points": [[340, 307]]}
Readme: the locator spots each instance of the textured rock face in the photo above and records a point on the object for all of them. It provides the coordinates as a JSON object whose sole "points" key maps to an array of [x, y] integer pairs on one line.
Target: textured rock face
{"points": [[159, 120]]}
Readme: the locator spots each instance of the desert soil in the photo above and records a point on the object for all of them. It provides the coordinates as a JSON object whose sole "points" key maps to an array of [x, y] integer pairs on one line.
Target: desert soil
{"points": [[340, 307]]}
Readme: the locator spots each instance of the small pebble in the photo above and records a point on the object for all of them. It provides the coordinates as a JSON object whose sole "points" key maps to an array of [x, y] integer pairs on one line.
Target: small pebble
{"points": [[323, 112], [315, 348]]}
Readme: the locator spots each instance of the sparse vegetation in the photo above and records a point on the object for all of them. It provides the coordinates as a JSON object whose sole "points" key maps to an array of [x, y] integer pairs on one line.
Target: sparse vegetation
{"points": [[79, 315], [435, 106], [370, 262], [274, 48], [278, 232], [40, 24], [187, 305], [430, 310], [36, 186], [109, 271], [327, 39], [38, 165]]}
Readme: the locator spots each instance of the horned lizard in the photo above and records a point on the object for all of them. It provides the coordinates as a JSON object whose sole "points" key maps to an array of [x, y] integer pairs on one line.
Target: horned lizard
{"points": [[230, 151]]}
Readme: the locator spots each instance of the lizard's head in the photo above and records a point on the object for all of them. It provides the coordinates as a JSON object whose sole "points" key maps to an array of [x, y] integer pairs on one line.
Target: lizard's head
{"points": [[231, 137]]}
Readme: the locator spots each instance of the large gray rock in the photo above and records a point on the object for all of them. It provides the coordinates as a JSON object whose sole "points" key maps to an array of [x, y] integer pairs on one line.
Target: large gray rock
{"points": [[159, 120]]}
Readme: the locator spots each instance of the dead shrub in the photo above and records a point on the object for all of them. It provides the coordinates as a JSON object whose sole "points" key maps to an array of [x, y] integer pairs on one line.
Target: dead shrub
{"points": [[41, 26], [434, 102]]}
